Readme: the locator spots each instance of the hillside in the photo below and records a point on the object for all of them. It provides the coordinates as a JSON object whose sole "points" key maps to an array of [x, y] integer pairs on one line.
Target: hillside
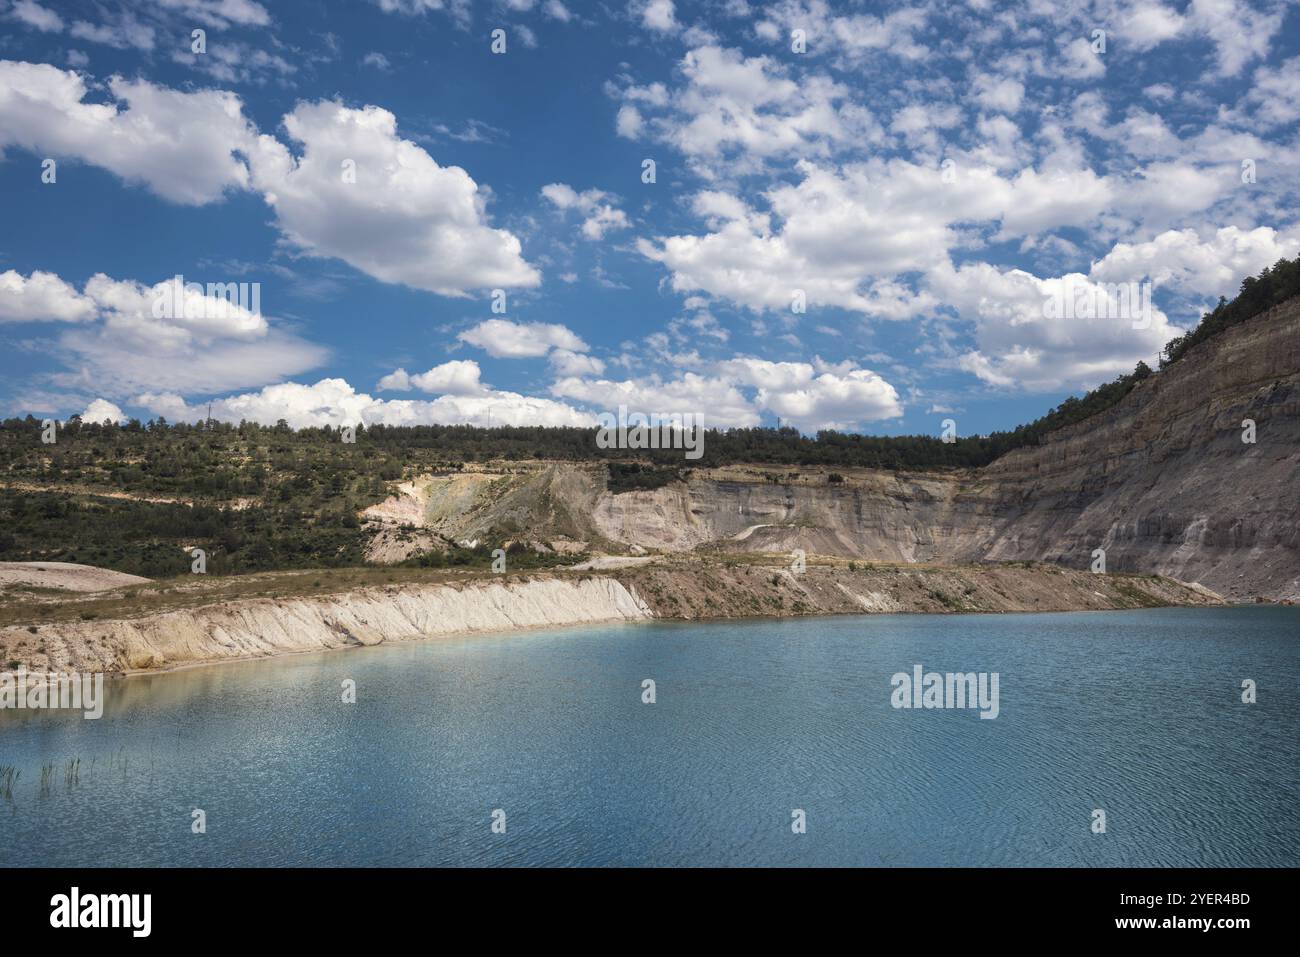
{"points": [[1151, 468], [1164, 481], [1161, 481]]}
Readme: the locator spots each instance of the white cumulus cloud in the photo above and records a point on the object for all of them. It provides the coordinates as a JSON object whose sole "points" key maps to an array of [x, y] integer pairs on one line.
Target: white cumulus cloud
{"points": [[102, 410], [355, 190], [131, 336], [599, 213], [733, 113], [659, 15], [503, 339], [183, 146], [36, 16], [734, 393], [334, 402], [1181, 260], [1028, 338], [41, 297], [457, 377], [402, 218]]}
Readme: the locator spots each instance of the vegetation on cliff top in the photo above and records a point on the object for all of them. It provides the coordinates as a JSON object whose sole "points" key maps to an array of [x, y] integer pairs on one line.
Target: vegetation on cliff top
{"points": [[264, 497], [1272, 287], [225, 460]]}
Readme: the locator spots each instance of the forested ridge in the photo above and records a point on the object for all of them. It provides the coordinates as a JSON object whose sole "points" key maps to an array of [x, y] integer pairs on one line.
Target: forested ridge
{"points": [[269, 496]]}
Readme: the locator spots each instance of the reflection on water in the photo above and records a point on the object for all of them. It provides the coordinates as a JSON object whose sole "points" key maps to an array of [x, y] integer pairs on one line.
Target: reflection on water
{"points": [[1136, 713]]}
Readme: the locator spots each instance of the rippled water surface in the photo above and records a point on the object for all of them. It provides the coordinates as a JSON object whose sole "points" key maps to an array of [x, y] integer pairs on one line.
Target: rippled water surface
{"points": [[1136, 713]]}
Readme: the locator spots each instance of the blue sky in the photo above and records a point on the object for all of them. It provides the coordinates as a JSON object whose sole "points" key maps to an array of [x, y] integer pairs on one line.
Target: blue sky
{"points": [[926, 178]]}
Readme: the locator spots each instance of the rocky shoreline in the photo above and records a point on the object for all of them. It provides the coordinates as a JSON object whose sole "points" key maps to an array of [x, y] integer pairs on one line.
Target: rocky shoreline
{"points": [[670, 590]]}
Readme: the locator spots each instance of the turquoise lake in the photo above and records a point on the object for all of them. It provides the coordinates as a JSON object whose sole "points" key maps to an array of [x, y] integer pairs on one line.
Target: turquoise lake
{"points": [[1139, 714]]}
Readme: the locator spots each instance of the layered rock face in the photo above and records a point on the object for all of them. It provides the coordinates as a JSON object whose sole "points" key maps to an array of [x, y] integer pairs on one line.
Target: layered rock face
{"points": [[687, 589], [1162, 482], [876, 515], [255, 628]]}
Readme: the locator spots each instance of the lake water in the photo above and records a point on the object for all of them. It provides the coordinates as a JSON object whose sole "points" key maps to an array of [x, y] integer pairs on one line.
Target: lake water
{"points": [[1138, 714]]}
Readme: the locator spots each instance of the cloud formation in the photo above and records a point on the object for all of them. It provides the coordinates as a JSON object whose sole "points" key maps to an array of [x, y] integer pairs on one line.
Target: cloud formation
{"points": [[185, 147], [334, 402], [360, 193], [503, 339], [355, 191], [131, 336], [597, 208], [41, 297], [457, 377]]}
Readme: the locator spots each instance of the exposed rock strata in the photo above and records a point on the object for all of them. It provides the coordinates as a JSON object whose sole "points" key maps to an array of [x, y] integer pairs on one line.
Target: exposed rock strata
{"points": [[1162, 482], [261, 627]]}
